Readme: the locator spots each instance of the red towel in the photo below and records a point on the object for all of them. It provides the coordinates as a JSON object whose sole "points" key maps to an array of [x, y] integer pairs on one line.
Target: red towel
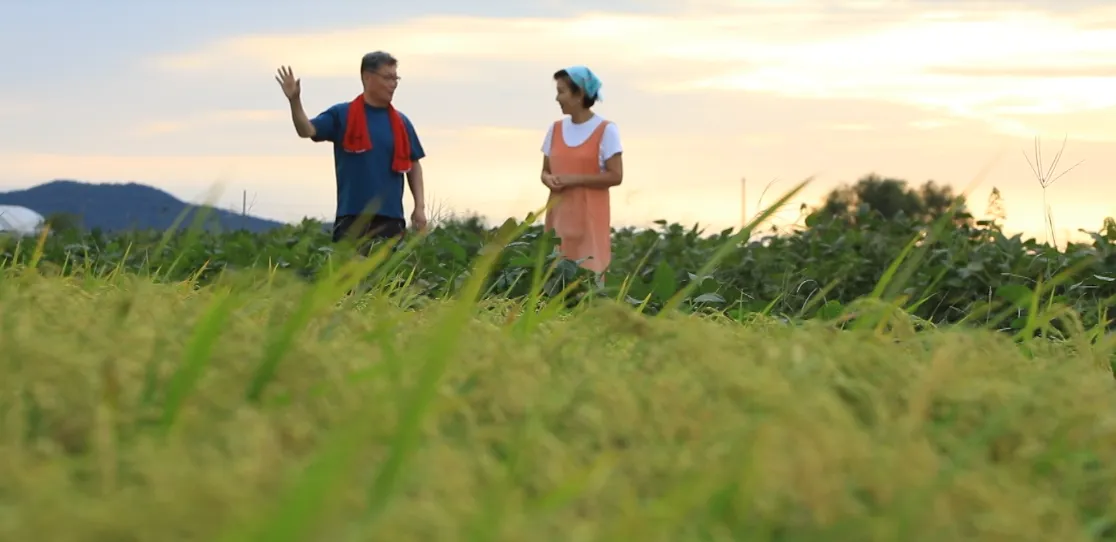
{"points": [[357, 138]]}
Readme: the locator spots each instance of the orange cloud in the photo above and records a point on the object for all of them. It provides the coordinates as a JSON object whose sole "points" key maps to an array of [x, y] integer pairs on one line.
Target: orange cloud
{"points": [[208, 120], [949, 61], [15, 108]]}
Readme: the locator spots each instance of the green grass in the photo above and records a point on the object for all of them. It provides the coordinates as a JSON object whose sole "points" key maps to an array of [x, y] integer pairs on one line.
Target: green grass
{"points": [[141, 404]]}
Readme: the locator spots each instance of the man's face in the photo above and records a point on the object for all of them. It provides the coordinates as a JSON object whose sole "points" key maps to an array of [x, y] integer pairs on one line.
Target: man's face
{"points": [[382, 82]]}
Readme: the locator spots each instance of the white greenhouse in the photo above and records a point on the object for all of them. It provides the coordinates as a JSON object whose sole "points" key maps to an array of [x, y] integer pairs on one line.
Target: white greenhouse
{"points": [[19, 220]]}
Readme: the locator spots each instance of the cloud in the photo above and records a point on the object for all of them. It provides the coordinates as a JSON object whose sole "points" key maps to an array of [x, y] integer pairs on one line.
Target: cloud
{"points": [[1104, 71], [213, 120], [436, 46], [952, 58], [851, 127], [945, 63], [13, 108], [931, 124]]}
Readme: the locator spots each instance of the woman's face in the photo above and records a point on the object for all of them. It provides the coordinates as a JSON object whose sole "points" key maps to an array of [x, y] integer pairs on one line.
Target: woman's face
{"points": [[567, 99]]}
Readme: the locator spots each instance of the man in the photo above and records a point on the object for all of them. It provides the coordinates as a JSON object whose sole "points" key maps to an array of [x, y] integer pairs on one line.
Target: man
{"points": [[373, 147]]}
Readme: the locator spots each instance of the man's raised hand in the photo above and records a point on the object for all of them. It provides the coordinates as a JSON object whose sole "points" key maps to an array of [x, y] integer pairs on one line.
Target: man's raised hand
{"points": [[291, 86]]}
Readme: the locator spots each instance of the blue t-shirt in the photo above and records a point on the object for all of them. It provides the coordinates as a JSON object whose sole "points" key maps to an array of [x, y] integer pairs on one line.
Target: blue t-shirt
{"points": [[365, 180]]}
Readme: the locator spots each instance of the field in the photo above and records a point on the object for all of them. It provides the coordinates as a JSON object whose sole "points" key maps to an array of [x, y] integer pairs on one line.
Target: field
{"points": [[885, 381]]}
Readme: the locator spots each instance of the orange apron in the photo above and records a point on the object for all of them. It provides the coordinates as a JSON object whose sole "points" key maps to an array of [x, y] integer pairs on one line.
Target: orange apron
{"points": [[581, 215]]}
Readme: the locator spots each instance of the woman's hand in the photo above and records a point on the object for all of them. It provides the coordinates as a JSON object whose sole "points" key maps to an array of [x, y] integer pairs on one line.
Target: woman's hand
{"points": [[560, 182], [551, 181]]}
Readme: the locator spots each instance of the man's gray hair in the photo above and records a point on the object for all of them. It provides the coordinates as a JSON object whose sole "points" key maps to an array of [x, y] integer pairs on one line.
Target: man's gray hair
{"points": [[371, 62]]}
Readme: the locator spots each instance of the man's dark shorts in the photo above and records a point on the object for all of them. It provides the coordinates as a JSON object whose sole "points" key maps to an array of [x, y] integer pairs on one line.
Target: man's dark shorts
{"points": [[363, 229]]}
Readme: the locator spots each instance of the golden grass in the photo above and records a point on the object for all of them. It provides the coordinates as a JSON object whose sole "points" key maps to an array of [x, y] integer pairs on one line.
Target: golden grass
{"points": [[123, 418]]}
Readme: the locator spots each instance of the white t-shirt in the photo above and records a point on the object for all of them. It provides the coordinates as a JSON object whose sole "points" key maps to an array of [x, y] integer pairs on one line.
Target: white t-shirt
{"points": [[576, 134]]}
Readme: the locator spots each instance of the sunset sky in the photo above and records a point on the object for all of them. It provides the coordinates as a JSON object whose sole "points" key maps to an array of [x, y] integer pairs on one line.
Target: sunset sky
{"points": [[182, 96]]}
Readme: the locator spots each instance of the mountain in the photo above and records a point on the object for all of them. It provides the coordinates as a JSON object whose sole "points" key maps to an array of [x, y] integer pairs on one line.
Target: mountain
{"points": [[124, 206]]}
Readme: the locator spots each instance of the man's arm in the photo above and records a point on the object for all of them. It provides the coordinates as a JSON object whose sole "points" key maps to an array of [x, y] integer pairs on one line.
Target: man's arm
{"points": [[324, 127], [303, 127], [415, 180], [415, 183]]}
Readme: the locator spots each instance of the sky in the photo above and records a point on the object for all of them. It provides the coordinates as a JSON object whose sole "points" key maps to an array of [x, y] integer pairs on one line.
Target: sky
{"points": [[182, 96]]}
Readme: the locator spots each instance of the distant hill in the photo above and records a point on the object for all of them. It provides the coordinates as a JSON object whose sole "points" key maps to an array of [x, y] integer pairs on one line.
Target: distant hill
{"points": [[124, 206]]}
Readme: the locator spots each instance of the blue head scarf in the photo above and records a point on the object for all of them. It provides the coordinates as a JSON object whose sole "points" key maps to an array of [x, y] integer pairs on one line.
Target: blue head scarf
{"points": [[586, 80]]}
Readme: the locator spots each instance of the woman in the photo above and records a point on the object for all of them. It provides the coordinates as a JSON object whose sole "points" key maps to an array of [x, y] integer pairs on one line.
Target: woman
{"points": [[582, 160]]}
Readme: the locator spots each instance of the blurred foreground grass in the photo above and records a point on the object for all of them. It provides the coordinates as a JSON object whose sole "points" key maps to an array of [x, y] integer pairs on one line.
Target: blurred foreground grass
{"points": [[129, 412]]}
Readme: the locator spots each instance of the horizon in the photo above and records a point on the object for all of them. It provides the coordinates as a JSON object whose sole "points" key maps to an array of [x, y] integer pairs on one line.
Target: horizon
{"points": [[763, 90], [436, 217]]}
